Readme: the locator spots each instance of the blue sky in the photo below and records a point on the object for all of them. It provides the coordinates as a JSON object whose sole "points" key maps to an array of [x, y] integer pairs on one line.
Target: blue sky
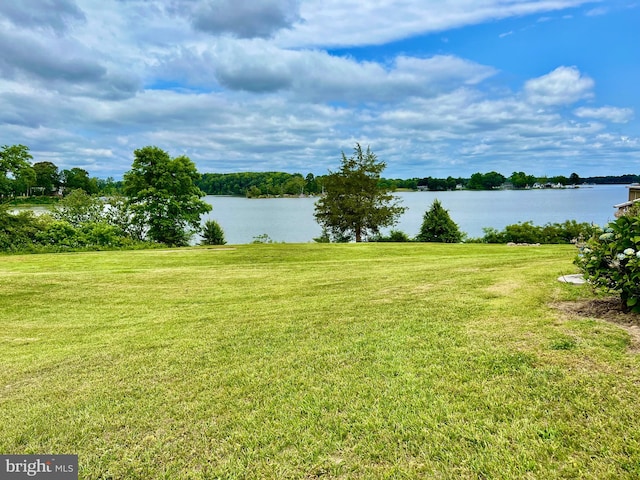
{"points": [[435, 88]]}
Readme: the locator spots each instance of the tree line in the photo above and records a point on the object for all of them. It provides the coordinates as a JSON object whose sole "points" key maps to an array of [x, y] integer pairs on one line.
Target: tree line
{"points": [[269, 184], [161, 205], [20, 177], [354, 207]]}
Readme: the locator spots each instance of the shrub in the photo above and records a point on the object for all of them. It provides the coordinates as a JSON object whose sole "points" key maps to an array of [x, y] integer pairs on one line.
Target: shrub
{"points": [[264, 238], [103, 235], [60, 234], [526, 232], [610, 260], [18, 231], [324, 237], [212, 233], [79, 207], [394, 236], [437, 226]]}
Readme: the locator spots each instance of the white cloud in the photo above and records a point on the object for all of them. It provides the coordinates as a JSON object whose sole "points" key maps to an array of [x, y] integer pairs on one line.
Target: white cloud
{"points": [[240, 18], [595, 12], [611, 114], [56, 15], [354, 22], [318, 76], [563, 86], [86, 85]]}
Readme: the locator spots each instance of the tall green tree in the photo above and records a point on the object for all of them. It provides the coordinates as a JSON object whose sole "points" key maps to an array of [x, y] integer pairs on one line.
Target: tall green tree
{"points": [[574, 178], [163, 196], [47, 177], [437, 226], [14, 159], [76, 178], [25, 179], [353, 205], [522, 180], [485, 181]]}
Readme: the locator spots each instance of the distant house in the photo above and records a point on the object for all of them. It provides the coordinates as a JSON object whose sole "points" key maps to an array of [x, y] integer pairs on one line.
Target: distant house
{"points": [[634, 196]]}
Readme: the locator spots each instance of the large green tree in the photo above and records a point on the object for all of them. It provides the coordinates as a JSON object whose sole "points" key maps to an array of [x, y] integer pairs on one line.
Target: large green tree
{"points": [[25, 179], [522, 180], [15, 161], [485, 181], [76, 178], [47, 177], [437, 226], [353, 205], [163, 196]]}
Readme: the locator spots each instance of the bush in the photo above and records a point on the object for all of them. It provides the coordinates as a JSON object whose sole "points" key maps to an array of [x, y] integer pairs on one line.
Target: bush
{"points": [[525, 232], [437, 226], [60, 234], [264, 238], [610, 260], [394, 236], [103, 235], [79, 207], [18, 232], [324, 237], [212, 233]]}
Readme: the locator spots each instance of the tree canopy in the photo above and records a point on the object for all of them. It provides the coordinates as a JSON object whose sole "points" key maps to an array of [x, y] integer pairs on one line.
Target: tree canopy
{"points": [[16, 173], [353, 205], [163, 197]]}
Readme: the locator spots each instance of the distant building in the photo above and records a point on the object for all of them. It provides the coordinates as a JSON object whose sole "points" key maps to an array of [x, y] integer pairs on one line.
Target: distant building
{"points": [[634, 196]]}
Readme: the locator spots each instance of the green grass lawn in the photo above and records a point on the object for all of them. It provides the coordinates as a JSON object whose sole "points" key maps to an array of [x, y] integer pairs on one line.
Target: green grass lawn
{"points": [[314, 361]]}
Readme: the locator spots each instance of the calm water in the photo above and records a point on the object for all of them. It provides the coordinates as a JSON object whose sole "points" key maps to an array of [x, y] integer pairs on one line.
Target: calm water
{"points": [[291, 219]]}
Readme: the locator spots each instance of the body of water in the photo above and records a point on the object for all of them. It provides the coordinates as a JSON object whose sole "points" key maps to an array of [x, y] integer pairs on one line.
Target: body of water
{"points": [[291, 219]]}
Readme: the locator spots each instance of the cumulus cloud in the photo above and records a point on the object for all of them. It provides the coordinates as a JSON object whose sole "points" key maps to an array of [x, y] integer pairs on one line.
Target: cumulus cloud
{"points": [[252, 86], [563, 86], [53, 14], [611, 114], [239, 18], [318, 76], [23, 53], [60, 65]]}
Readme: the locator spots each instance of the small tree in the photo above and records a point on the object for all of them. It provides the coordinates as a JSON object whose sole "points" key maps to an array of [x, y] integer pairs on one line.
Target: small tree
{"points": [[353, 205], [212, 233], [78, 208], [437, 226], [610, 260]]}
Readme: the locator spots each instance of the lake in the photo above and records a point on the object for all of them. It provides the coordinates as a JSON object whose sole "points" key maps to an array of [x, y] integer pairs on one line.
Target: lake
{"points": [[291, 219]]}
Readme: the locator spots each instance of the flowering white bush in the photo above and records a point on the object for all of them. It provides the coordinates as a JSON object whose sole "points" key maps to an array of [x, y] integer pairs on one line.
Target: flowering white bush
{"points": [[610, 260]]}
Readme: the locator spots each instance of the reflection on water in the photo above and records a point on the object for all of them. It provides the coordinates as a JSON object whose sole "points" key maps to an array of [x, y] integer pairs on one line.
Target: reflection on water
{"points": [[291, 219], [37, 209]]}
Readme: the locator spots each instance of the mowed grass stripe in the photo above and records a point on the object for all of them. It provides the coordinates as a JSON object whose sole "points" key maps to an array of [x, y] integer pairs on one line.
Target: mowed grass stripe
{"points": [[305, 361]]}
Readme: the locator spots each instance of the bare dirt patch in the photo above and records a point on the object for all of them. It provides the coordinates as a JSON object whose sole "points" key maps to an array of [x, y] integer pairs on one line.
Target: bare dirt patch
{"points": [[608, 310]]}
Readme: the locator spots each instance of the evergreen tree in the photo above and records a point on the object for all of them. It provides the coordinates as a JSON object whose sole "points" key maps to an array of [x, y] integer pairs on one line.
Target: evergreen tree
{"points": [[212, 233], [354, 206], [437, 226]]}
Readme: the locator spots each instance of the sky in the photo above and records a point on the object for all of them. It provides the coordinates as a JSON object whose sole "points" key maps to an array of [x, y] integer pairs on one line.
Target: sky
{"points": [[433, 87]]}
